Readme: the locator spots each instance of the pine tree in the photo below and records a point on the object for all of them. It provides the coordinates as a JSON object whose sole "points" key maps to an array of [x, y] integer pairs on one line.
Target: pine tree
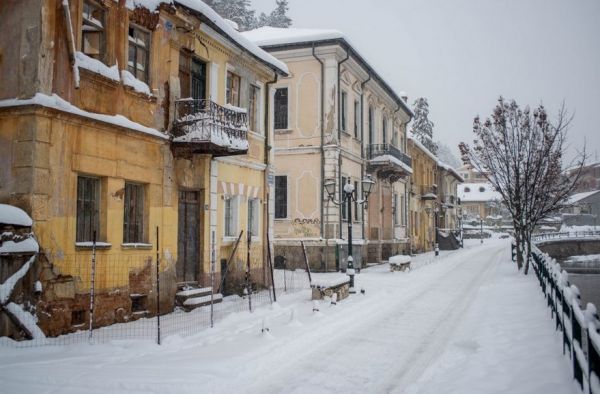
{"points": [[278, 17], [422, 127], [238, 11], [445, 154]]}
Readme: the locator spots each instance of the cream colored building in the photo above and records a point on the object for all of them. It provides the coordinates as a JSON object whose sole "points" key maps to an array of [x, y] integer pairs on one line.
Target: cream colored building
{"points": [[335, 118], [118, 121]]}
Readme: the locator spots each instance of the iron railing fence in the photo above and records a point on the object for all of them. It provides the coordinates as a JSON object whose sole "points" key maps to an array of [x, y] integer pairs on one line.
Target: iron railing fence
{"points": [[375, 150], [580, 327], [203, 120], [565, 235]]}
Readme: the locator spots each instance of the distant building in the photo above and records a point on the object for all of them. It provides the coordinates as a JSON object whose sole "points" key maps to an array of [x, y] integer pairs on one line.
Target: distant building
{"points": [[480, 201], [583, 203], [448, 180], [470, 174], [589, 179]]}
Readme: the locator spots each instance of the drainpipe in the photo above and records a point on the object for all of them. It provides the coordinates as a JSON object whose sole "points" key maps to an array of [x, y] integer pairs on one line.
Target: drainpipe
{"points": [[339, 123], [362, 140], [322, 115], [266, 195], [71, 42]]}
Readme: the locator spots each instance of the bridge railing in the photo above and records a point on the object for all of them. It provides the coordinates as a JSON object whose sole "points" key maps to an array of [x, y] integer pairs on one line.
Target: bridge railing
{"points": [[580, 327], [565, 235]]}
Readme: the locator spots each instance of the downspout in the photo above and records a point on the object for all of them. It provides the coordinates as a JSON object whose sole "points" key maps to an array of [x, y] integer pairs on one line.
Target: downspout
{"points": [[322, 115], [266, 195], [362, 140], [339, 118], [71, 42]]}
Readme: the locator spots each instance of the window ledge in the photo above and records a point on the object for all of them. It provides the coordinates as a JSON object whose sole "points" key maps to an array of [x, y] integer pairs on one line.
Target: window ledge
{"points": [[139, 245], [282, 219], [228, 240], [89, 245], [283, 131], [256, 134]]}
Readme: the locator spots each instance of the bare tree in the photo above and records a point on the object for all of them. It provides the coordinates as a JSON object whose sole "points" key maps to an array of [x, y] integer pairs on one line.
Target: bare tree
{"points": [[520, 152]]}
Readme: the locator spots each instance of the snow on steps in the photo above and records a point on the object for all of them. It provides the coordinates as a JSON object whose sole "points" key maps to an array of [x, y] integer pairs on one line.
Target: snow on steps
{"points": [[196, 302], [192, 296]]}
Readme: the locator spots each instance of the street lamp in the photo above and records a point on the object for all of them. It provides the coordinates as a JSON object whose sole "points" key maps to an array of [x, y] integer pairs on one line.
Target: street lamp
{"points": [[436, 211], [348, 197]]}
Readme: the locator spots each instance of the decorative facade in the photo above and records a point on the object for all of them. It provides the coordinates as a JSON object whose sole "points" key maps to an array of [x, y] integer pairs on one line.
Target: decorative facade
{"points": [[143, 130]]}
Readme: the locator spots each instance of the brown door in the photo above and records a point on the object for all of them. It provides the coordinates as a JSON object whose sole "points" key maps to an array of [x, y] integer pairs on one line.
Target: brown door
{"points": [[188, 237]]}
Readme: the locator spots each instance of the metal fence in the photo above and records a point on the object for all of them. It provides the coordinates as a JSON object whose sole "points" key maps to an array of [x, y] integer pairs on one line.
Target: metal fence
{"points": [[117, 297], [580, 327], [565, 235]]}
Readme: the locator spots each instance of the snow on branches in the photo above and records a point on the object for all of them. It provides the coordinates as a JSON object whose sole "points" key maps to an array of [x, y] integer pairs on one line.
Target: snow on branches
{"points": [[422, 127], [520, 152]]}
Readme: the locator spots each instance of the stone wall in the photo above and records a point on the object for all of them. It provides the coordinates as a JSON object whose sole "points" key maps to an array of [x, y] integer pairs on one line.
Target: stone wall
{"points": [[560, 249]]}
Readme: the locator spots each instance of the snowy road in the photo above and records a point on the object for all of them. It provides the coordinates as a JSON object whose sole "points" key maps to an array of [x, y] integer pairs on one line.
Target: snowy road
{"points": [[467, 322]]}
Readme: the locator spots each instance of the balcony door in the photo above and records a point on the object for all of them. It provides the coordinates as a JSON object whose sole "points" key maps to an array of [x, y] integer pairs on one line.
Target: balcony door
{"points": [[188, 236], [192, 76]]}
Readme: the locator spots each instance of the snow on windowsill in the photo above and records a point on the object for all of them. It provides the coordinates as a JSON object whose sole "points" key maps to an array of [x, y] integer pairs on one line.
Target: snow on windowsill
{"points": [[136, 245], [131, 81], [90, 245], [96, 66], [233, 108], [58, 103]]}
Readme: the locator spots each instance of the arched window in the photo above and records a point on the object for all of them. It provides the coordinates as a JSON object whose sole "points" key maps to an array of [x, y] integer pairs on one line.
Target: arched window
{"points": [[467, 189]]}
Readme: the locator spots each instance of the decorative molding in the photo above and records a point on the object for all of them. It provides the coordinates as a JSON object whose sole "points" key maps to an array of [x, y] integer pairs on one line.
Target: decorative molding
{"points": [[144, 17]]}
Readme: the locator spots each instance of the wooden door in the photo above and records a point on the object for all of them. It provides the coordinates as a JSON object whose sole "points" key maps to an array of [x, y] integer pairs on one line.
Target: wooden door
{"points": [[188, 237]]}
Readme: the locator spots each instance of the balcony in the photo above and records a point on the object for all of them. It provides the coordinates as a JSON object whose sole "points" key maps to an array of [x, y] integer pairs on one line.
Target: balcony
{"points": [[428, 192], [388, 162], [449, 200], [205, 127]]}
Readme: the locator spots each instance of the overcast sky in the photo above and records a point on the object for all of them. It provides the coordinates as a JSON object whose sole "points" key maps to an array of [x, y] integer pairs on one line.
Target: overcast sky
{"points": [[463, 54]]}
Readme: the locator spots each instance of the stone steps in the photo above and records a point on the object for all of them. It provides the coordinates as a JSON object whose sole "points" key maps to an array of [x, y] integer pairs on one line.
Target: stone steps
{"points": [[192, 296]]}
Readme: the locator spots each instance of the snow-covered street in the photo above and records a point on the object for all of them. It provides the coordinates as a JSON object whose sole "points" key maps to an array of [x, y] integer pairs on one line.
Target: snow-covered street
{"points": [[466, 322]]}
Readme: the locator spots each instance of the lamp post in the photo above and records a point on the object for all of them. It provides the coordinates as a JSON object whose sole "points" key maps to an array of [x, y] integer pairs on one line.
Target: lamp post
{"points": [[348, 197]]}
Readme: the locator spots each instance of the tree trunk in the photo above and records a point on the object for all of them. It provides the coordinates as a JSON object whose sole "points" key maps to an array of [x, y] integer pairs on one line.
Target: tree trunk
{"points": [[518, 246], [528, 238]]}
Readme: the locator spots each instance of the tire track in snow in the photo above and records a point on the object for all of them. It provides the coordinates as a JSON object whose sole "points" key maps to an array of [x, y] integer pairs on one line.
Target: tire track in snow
{"points": [[374, 359]]}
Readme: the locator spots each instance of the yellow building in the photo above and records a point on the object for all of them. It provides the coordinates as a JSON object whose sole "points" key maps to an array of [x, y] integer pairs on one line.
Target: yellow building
{"points": [[335, 119], [423, 195], [143, 127]]}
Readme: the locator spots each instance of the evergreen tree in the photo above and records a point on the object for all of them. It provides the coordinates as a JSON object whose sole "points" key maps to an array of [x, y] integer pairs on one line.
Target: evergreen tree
{"points": [[278, 17], [238, 11], [422, 127], [445, 154]]}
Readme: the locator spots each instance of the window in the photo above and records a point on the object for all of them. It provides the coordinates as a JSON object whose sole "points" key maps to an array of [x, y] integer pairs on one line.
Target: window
{"points": [[404, 210], [133, 220], [253, 216], [482, 189], [253, 106], [356, 118], [356, 206], [344, 206], [281, 109], [280, 197], [192, 76], [139, 49], [233, 89], [231, 214], [93, 38], [88, 208], [371, 125], [343, 111], [384, 131], [395, 208], [467, 189]]}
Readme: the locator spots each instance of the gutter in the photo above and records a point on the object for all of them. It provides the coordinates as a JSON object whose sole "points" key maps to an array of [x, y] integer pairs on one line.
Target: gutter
{"points": [[266, 195], [71, 42], [322, 139], [362, 139], [339, 118]]}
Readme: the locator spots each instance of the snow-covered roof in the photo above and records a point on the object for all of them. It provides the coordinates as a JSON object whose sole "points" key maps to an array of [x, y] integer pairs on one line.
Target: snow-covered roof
{"points": [[450, 169], [469, 192], [268, 36], [56, 102], [221, 24], [575, 198], [418, 143], [14, 216]]}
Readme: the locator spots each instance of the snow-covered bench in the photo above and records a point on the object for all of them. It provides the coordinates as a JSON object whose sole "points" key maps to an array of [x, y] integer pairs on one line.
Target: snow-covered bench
{"points": [[325, 285], [399, 262]]}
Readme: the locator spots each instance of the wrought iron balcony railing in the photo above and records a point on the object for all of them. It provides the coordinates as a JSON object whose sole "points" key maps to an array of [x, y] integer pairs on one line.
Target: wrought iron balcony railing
{"points": [[204, 126], [375, 150], [428, 192]]}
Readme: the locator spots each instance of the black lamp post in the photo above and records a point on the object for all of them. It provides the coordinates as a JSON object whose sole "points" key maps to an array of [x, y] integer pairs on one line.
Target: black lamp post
{"points": [[348, 197]]}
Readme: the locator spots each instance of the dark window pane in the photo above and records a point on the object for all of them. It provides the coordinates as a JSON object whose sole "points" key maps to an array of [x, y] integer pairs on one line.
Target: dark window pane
{"points": [[280, 197], [88, 207], [133, 218], [281, 109]]}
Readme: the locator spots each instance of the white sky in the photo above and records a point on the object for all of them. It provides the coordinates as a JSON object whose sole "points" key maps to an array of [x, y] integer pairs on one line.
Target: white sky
{"points": [[463, 54]]}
